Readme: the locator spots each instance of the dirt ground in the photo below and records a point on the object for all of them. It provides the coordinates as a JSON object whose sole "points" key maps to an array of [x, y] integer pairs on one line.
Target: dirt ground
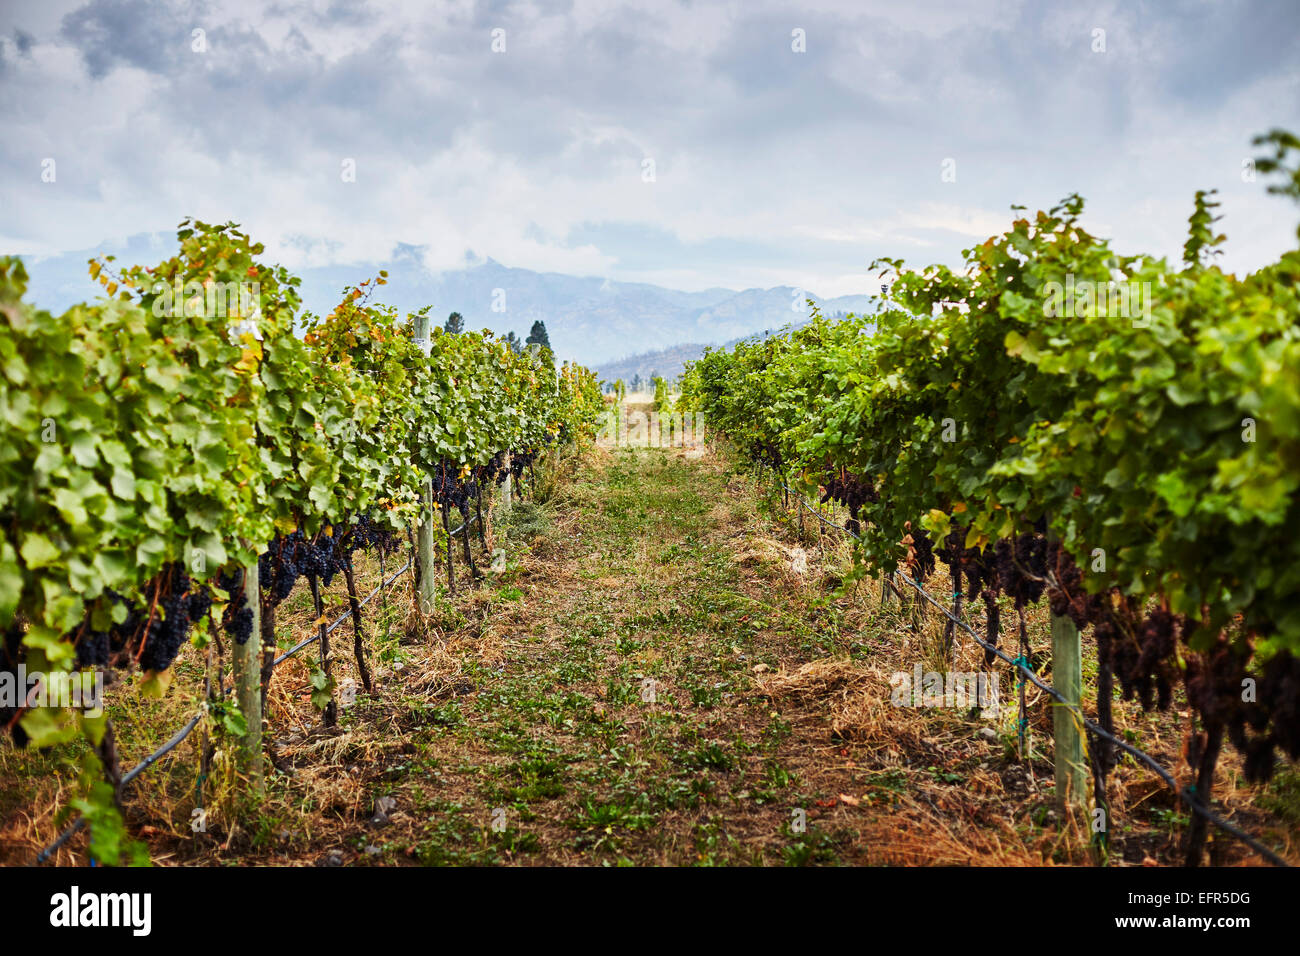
{"points": [[668, 669]]}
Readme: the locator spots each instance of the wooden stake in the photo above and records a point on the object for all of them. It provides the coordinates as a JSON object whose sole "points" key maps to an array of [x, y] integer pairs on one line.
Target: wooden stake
{"points": [[428, 593], [246, 668], [1067, 678]]}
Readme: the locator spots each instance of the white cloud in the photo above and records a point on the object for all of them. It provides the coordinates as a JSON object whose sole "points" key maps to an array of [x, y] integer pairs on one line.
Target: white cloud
{"points": [[824, 159]]}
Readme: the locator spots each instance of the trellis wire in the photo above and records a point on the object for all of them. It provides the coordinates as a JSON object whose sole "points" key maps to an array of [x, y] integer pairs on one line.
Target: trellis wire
{"points": [[1196, 806], [175, 740]]}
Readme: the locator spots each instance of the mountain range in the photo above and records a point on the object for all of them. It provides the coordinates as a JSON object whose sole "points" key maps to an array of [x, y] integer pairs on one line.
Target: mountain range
{"points": [[591, 320]]}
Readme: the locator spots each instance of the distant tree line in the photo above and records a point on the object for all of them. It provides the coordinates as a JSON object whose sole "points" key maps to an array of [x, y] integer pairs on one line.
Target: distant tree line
{"points": [[455, 325]]}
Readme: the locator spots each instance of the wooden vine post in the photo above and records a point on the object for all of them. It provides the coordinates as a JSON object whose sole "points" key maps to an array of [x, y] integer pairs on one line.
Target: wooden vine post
{"points": [[425, 534], [246, 665], [1067, 731], [506, 489], [424, 541]]}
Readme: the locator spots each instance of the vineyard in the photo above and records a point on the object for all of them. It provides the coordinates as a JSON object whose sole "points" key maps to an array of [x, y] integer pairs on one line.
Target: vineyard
{"points": [[177, 456], [1074, 469], [1108, 432]]}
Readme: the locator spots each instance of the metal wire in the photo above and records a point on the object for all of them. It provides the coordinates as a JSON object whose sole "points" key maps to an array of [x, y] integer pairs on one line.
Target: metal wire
{"points": [[1027, 674], [174, 741]]}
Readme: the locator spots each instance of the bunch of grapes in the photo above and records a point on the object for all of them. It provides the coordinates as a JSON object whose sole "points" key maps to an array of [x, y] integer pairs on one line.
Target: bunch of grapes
{"points": [[173, 624], [367, 534], [104, 648], [522, 459], [920, 552], [1117, 649], [766, 453], [1216, 683], [1158, 641], [1069, 598], [280, 566], [971, 566], [94, 649], [494, 472], [977, 566], [327, 556], [1011, 555], [238, 619], [992, 623], [849, 490], [1279, 695], [312, 559], [450, 490]]}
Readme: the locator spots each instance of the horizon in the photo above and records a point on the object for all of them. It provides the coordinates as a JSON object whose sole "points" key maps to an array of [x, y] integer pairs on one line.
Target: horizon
{"points": [[701, 148]]}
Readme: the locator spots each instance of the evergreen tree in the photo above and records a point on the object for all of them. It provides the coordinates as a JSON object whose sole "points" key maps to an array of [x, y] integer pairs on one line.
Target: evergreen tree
{"points": [[455, 324], [538, 335], [516, 346]]}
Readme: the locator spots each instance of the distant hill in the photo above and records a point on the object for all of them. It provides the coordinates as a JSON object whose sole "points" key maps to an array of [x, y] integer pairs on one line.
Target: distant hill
{"points": [[671, 362], [588, 319]]}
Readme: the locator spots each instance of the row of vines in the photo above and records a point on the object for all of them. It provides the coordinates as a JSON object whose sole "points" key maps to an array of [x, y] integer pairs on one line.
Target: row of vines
{"points": [[195, 421], [1112, 432]]}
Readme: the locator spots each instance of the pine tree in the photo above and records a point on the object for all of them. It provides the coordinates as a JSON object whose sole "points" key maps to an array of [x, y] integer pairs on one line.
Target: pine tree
{"points": [[516, 346], [455, 324], [538, 335]]}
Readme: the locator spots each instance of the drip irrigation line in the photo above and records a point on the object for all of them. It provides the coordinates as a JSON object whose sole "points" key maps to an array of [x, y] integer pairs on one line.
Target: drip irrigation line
{"points": [[134, 772], [346, 614], [343, 617], [175, 740], [1027, 674]]}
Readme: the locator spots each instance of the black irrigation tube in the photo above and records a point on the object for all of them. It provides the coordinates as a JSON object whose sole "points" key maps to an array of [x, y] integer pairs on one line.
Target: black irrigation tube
{"points": [[343, 617], [175, 740], [134, 772], [1074, 709]]}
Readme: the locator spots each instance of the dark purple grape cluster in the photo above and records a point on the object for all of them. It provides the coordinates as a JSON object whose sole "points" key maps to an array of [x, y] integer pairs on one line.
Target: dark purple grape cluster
{"points": [[154, 639], [450, 490], [992, 623], [167, 633], [238, 619], [326, 557], [1068, 598], [280, 566], [519, 461], [367, 534], [920, 552], [850, 490], [105, 648], [494, 472], [1216, 683], [292, 556], [1011, 555], [94, 650]]}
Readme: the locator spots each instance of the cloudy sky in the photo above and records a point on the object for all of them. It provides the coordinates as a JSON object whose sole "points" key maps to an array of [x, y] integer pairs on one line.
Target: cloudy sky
{"points": [[771, 166]]}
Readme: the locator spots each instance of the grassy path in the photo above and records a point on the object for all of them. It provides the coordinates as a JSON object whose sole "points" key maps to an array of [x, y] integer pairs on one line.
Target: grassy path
{"points": [[665, 672], [613, 716], [626, 691], [611, 703]]}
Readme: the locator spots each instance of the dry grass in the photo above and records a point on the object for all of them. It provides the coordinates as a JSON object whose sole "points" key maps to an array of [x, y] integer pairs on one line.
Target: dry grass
{"points": [[774, 696]]}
